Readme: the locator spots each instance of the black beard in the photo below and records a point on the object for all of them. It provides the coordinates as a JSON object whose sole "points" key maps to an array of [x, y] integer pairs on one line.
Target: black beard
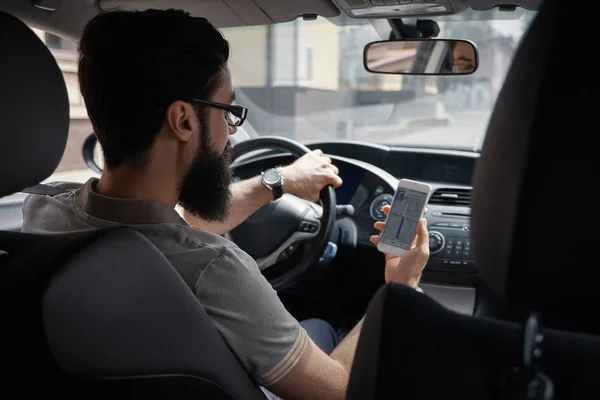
{"points": [[205, 191]]}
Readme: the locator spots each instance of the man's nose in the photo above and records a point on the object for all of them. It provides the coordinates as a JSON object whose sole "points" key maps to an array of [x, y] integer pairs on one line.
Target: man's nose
{"points": [[232, 130]]}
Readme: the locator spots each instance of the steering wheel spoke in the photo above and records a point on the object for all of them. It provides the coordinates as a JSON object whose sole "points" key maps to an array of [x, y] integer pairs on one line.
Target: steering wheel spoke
{"points": [[307, 229], [280, 228], [289, 246]]}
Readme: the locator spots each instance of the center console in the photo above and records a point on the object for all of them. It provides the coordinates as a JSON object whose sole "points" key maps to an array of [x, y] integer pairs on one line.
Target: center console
{"points": [[450, 240]]}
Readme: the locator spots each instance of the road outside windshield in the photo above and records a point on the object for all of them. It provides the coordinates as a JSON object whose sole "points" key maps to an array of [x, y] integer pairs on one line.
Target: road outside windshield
{"points": [[305, 80]]}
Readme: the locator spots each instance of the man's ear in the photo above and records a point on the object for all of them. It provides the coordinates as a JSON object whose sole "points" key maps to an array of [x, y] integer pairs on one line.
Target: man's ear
{"points": [[181, 120]]}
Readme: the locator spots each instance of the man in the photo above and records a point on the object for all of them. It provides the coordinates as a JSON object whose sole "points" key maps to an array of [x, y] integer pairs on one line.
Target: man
{"points": [[158, 92]]}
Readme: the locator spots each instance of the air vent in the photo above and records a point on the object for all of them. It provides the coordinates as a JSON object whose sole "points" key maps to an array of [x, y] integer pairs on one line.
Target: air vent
{"points": [[451, 197]]}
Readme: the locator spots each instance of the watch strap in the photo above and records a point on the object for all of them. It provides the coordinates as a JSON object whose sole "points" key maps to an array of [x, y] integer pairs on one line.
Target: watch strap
{"points": [[277, 192]]}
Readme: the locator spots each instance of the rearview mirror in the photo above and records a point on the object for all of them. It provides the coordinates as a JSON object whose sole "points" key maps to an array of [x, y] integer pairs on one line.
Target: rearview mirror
{"points": [[422, 57]]}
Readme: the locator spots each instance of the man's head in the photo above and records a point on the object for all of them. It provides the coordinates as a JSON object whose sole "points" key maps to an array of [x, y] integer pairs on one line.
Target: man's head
{"points": [[141, 74]]}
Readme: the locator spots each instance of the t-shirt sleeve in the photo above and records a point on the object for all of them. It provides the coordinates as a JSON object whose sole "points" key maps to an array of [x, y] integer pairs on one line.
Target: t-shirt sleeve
{"points": [[246, 310]]}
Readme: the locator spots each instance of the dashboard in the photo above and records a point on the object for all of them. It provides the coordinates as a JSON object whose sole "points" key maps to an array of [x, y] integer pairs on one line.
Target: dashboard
{"points": [[370, 174], [352, 178]]}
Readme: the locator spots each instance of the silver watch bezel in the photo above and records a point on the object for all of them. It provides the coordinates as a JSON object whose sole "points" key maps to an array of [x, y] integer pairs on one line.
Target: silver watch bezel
{"points": [[276, 184]]}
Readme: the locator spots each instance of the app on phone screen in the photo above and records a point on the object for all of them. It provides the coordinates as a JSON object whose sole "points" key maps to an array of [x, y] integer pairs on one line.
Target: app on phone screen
{"points": [[404, 217]]}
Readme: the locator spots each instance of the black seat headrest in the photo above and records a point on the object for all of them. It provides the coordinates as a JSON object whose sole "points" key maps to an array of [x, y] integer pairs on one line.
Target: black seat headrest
{"points": [[411, 347], [34, 108], [533, 223]]}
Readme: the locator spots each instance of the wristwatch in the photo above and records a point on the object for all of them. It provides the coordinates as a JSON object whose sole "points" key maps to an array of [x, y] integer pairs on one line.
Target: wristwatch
{"points": [[273, 180]]}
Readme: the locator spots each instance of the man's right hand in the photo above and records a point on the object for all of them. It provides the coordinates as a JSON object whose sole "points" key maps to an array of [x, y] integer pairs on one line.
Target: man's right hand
{"points": [[309, 174], [319, 376], [406, 269]]}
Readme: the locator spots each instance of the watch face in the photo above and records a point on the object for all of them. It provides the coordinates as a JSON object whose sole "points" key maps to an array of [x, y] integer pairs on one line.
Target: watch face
{"points": [[271, 177]]}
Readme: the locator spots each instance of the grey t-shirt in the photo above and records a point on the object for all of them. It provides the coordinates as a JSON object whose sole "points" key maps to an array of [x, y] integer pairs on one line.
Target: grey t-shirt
{"points": [[267, 340]]}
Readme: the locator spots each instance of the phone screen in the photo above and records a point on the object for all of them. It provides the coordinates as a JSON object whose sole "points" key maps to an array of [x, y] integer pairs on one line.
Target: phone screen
{"points": [[404, 217]]}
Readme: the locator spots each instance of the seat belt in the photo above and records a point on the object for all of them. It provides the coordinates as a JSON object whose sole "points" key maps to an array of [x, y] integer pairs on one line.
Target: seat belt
{"points": [[45, 190]]}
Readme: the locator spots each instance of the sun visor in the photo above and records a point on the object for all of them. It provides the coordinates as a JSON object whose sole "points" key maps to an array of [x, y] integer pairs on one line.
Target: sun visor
{"points": [[227, 13]]}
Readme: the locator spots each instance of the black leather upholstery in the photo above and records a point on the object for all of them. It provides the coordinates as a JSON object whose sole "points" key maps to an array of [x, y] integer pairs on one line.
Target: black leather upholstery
{"points": [[94, 314], [532, 218], [103, 313], [118, 308], [34, 108], [27, 265], [411, 347]]}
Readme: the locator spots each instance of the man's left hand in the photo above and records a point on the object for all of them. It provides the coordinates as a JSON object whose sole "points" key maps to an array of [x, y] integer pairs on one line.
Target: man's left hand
{"points": [[309, 174]]}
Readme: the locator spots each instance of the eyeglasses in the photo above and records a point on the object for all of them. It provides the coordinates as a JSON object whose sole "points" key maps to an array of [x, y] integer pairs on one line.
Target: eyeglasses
{"points": [[463, 68], [236, 115]]}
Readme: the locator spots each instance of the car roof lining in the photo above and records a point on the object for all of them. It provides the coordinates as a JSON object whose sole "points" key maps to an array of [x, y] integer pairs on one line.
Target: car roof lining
{"points": [[70, 17], [227, 13]]}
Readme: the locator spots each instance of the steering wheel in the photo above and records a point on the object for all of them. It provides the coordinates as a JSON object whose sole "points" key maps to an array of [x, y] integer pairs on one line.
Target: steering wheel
{"points": [[279, 228]]}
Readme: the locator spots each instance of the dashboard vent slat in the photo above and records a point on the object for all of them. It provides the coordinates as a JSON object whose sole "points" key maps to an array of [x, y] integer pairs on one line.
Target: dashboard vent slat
{"points": [[451, 197]]}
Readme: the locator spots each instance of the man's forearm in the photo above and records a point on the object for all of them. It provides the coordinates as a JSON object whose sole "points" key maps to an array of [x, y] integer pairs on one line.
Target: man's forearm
{"points": [[247, 197], [344, 352], [318, 375]]}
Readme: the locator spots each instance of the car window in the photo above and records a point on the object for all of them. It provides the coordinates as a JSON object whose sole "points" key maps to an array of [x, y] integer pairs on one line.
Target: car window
{"points": [[305, 80], [72, 167]]}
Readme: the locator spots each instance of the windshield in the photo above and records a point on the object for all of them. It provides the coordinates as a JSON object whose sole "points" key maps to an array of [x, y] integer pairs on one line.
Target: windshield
{"points": [[305, 80]]}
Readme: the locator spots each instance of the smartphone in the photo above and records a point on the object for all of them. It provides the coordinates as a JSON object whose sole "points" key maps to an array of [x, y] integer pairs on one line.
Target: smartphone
{"points": [[402, 221]]}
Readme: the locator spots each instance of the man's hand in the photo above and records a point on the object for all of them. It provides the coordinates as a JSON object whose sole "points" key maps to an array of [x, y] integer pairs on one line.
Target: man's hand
{"points": [[309, 174], [406, 269]]}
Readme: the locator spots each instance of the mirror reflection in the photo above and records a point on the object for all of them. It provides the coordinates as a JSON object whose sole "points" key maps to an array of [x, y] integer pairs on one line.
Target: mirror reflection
{"points": [[422, 57]]}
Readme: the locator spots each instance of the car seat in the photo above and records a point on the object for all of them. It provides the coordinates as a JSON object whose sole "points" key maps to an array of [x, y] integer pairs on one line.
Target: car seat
{"points": [[534, 332]]}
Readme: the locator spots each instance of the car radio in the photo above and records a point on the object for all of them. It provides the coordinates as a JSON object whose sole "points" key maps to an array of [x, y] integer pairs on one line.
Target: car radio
{"points": [[449, 242]]}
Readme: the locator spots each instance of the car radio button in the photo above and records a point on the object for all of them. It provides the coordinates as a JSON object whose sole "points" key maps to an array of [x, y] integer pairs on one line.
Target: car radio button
{"points": [[436, 242]]}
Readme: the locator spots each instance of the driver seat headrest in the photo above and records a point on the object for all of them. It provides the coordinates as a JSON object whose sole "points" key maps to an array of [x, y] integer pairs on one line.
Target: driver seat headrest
{"points": [[34, 111], [531, 215]]}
